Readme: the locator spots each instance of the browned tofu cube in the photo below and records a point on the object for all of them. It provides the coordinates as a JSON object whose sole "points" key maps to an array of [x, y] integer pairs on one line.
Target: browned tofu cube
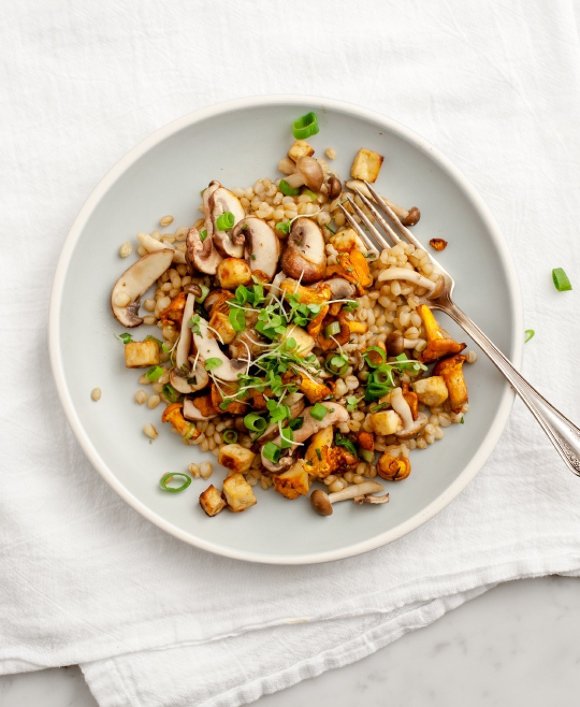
{"points": [[366, 165], [294, 482], [236, 458], [139, 354], [238, 493], [211, 501]]}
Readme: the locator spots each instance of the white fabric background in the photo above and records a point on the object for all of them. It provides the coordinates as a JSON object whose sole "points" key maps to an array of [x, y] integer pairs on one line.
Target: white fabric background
{"points": [[495, 86]]}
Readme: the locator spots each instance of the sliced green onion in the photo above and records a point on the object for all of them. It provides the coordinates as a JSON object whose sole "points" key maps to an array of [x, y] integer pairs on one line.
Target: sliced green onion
{"points": [[237, 319], [318, 411], [366, 455], [371, 360], [528, 334], [194, 324], [332, 329], [343, 441], [230, 436], [255, 422], [212, 363], [283, 227], [203, 234], [125, 338], [351, 305], [352, 403], [154, 373], [561, 281], [167, 479], [331, 227], [305, 126], [374, 391], [382, 375], [204, 293], [271, 452], [336, 364], [286, 189], [286, 438], [296, 423], [170, 394], [312, 195], [225, 221]]}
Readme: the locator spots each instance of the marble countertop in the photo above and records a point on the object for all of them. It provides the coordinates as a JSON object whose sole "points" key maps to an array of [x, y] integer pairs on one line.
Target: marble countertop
{"points": [[518, 644]]}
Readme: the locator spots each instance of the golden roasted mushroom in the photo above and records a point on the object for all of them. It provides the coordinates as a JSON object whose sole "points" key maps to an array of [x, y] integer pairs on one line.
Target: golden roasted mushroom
{"points": [[451, 370], [439, 343], [315, 391], [393, 468], [173, 414]]}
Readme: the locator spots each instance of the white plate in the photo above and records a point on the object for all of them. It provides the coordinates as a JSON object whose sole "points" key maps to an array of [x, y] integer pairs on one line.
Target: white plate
{"points": [[237, 143]]}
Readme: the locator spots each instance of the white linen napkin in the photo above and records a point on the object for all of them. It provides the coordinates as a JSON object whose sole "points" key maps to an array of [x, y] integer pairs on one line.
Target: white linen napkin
{"points": [[84, 579]]}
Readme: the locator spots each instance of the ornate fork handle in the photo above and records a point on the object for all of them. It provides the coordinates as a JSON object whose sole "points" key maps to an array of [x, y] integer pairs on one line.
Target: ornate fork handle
{"points": [[562, 432]]}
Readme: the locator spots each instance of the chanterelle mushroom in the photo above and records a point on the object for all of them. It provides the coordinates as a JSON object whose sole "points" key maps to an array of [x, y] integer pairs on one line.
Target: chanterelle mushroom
{"points": [[134, 282], [218, 200], [261, 246], [304, 255], [335, 415], [308, 172]]}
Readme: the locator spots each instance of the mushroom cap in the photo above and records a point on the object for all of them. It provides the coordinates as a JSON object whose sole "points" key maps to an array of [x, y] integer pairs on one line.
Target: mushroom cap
{"points": [[152, 244], [304, 255], [185, 384], [341, 288], [311, 171], [184, 344], [321, 503], [217, 200], [201, 255], [261, 245], [208, 347], [414, 428], [134, 282]]}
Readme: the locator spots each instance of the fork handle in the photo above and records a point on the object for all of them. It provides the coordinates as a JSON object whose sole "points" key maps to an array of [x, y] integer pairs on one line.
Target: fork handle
{"points": [[562, 432]]}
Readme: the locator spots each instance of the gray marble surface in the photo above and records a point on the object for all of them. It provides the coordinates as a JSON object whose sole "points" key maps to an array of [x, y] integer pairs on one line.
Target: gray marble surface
{"points": [[519, 644]]}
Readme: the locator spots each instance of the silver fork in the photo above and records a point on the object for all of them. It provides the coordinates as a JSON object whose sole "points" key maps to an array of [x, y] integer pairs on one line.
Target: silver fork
{"points": [[562, 432]]}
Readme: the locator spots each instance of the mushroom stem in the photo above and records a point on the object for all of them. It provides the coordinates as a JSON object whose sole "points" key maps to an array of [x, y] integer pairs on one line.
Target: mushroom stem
{"points": [[401, 407], [356, 490], [408, 275]]}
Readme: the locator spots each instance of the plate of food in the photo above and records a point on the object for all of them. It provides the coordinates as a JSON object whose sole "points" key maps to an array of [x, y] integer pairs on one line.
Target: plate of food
{"points": [[249, 373]]}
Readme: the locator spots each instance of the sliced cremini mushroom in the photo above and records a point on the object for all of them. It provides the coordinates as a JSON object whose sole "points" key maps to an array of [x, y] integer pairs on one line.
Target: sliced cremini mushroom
{"points": [[261, 246], [152, 245], [200, 253], [308, 172], [218, 200], [208, 348], [134, 282], [195, 380], [199, 408], [322, 501], [183, 346], [411, 427], [310, 425], [304, 257]]}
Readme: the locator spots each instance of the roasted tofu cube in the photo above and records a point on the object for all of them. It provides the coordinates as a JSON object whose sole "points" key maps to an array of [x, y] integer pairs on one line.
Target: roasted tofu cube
{"points": [[386, 422], [300, 149], [211, 501], [232, 272], [236, 458], [294, 482], [366, 165], [304, 342], [139, 354], [431, 391], [238, 493]]}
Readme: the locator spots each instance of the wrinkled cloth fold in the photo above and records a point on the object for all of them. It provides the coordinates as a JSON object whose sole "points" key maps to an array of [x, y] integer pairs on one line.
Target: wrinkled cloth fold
{"points": [[85, 579]]}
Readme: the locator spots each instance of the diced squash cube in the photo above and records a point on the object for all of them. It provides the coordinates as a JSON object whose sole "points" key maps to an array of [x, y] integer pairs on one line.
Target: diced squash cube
{"points": [[366, 165], [236, 458], [211, 501], [139, 354], [238, 493]]}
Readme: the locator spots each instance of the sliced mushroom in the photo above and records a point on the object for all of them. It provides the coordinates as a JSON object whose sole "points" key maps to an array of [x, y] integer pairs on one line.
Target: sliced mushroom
{"points": [[408, 275], [369, 498], [401, 407], [261, 246], [335, 415], [196, 380], [304, 257], [199, 411], [152, 245], [208, 347], [216, 201], [201, 254], [341, 288], [184, 344], [309, 172], [134, 282]]}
